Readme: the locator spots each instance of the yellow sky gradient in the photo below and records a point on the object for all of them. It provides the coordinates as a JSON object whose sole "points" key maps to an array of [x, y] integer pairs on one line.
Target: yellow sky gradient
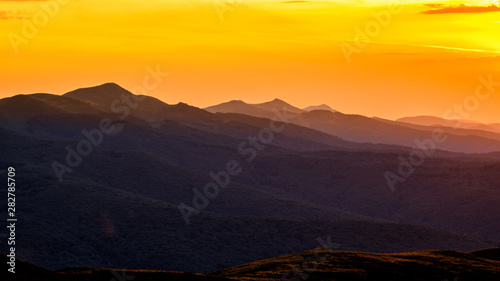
{"points": [[259, 50]]}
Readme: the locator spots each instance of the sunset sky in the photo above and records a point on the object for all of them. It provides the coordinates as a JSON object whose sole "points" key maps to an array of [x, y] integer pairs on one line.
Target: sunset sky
{"points": [[423, 60]]}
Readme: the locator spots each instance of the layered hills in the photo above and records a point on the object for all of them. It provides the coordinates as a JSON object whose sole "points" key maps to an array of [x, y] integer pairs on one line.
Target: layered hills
{"points": [[102, 174]]}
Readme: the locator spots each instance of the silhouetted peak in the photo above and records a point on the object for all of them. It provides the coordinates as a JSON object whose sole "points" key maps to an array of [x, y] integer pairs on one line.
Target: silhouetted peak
{"points": [[318, 114], [109, 85], [101, 96], [234, 102], [319, 107], [106, 87], [185, 106], [278, 104], [233, 106], [276, 101]]}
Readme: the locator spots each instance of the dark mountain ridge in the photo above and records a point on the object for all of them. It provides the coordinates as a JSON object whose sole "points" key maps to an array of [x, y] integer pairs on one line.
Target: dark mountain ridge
{"points": [[304, 183], [322, 264]]}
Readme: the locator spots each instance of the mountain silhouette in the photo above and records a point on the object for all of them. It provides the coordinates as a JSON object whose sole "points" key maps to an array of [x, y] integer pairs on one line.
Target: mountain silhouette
{"points": [[437, 121], [324, 265], [119, 206], [319, 107], [361, 129], [264, 110], [278, 104]]}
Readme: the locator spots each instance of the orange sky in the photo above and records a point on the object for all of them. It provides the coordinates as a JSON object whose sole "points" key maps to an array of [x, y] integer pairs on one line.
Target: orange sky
{"points": [[417, 63]]}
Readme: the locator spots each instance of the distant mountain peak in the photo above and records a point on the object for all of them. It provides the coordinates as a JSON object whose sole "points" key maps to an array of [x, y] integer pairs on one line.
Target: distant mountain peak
{"points": [[319, 107], [278, 104], [426, 120], [276, 100], [233, 106], [237, 102]]}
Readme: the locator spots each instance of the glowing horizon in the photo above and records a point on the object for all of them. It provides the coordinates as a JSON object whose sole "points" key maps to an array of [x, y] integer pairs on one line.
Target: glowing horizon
{"points": [[419, 64]]}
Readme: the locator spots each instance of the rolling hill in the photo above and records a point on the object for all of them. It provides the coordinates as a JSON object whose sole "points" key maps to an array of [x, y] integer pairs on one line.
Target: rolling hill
{"points": [[319, 264]]}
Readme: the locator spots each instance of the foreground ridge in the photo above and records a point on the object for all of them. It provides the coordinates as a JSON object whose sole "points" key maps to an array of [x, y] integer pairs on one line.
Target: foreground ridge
{"points": [[335, 265]]}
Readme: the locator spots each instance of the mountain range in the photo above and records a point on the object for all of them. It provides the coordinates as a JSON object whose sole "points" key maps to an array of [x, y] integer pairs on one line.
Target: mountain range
{"points": [[470, 138], [103, 173]]}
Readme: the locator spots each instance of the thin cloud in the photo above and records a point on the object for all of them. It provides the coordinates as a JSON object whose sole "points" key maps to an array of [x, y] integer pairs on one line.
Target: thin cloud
{"points": [[459, 49], [462, 9], [439, 47], [434, 5], [7, 15]]}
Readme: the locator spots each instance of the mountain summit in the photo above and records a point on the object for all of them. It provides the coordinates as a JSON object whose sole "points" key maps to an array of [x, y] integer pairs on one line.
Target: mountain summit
{"points": [[319, 107], [262, 110], [278, 104], [101, 96]]}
